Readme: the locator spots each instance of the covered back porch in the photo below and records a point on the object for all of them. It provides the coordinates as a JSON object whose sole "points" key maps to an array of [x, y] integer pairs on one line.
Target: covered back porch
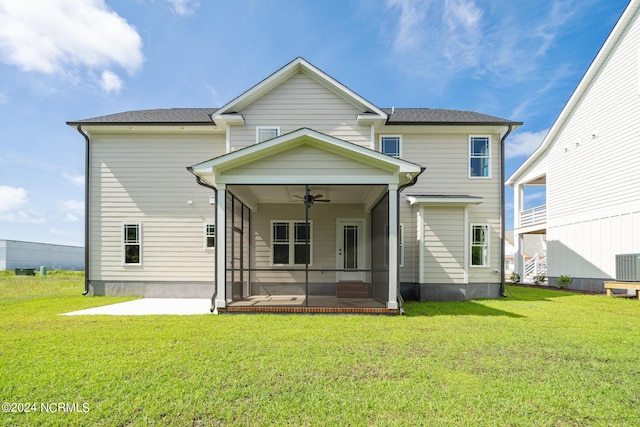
{"points": [[306, 223]]}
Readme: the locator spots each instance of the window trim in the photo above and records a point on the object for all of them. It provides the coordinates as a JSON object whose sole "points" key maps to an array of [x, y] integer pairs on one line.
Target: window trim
{"points": [[470, 156], [207, 235], [401, 244], [259, 128], [291, 242], [125, 243], [488, 245], [399, 145]]}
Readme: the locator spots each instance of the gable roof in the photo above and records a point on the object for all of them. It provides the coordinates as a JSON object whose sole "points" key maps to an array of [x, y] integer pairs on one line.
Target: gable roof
{"points": [[406, 169], [592, 73], [296, 66]]}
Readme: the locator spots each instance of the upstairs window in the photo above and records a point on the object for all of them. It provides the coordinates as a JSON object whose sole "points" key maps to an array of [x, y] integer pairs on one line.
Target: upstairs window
{"points": [[264, 133], [479, 157], [131, 243], [390, 145]]}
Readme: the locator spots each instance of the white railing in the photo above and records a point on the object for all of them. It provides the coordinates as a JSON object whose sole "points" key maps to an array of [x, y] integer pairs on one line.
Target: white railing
{"points": [[535, 266], [533, 216]]}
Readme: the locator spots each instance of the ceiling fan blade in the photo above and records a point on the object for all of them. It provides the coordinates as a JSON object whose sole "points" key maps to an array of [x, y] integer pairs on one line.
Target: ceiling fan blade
{"points": [[316, 197], [322, 200], [299, 197]]}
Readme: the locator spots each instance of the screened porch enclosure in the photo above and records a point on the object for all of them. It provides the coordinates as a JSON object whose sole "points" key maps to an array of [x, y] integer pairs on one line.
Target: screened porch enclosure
{"points": [[306, 246]]}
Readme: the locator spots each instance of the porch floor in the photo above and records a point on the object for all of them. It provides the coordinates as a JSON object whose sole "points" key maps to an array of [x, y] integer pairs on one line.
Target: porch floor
{"points": [[297, 304]]}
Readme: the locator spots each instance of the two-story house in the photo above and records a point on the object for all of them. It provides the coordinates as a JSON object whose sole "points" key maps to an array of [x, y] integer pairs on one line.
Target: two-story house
{"points": [[299, 195]]}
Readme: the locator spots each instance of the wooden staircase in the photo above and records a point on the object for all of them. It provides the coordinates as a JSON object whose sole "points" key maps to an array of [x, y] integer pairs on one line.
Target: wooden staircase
{"points": [[352, 289]]}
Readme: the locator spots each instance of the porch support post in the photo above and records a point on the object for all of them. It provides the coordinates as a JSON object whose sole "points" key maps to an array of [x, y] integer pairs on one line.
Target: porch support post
{"points": [[221, 246], [392, 302], [420, 238], [518, 256]]}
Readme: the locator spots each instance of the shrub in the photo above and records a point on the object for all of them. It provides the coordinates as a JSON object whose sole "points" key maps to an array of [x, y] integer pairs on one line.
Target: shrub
{"points": [[539, 280], [564, 281], [515, 278]]}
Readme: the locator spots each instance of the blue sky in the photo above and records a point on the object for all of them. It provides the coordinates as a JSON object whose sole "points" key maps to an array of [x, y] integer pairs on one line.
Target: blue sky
{"points": [[63, 60]]}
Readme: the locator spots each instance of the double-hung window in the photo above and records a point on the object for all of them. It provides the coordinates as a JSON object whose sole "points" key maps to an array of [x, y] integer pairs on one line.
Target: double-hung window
{"points": [[289, 243], [264, 133], [131, 244], [480, 245], [479, 157], [390, 145], [210, 235]]}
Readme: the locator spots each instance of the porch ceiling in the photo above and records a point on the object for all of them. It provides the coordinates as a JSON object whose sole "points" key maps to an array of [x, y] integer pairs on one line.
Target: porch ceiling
{"points": [[338, 194]]}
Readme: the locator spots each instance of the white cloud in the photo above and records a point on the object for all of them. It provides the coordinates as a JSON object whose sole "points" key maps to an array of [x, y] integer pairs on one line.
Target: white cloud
{"points": [[524, 143], [11, 198], [3, 98], [76, 206], [71, 217], [110, 82], [184, 7], [75, 179], [66, 37]]}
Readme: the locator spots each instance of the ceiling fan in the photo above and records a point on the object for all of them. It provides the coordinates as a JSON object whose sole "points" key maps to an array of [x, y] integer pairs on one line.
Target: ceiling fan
{"points": [[311, 199]]}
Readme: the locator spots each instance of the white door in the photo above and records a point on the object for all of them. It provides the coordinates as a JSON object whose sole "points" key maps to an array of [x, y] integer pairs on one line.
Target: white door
{"points": [[350, 250]]}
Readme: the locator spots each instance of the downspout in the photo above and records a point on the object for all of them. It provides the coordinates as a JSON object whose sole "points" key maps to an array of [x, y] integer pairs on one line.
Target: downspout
{"points": [[400, 188], [502, 210], [87, 180], [215, 222]]}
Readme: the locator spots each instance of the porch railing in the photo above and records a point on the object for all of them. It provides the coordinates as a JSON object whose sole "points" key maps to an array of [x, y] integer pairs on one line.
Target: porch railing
{"points": [[535, 266], [533, 216]]}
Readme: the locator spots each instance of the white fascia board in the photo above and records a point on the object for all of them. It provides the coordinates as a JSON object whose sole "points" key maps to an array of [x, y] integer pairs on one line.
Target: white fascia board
{"points": [[146, 128], [589, 77], [444, 200], [223, 120], [367, 119]]}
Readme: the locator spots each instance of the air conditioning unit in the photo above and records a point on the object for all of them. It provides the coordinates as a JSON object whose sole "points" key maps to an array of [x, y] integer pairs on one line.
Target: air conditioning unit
{"points": [[628, 268]]}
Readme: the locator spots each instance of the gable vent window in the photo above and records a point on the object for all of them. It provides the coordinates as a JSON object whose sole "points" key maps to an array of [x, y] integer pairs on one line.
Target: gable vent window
{"points": [[264, 133], [390, 145]]}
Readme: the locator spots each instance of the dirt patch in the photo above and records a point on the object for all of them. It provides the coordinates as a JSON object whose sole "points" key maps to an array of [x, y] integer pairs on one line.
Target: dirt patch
{"points": [[555, 288]]}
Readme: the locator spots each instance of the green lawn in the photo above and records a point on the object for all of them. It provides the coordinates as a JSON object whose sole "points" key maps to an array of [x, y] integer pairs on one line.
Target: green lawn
{"points": [[538, 357]]}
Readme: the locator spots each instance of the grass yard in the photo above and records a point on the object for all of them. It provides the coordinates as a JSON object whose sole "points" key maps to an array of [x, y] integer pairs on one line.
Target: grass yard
{"points": [[538, 357]]}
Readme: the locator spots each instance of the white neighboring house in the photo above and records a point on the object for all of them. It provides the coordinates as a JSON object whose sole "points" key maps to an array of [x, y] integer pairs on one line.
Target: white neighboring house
{"points": [[310, 198], [534, 252], [589, 165], [17, 254]]}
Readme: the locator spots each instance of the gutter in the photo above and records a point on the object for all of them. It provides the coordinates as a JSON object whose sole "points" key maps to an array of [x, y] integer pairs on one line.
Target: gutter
{"points": [[215, 222], [87, 180], [400, 188], [502, 209]]}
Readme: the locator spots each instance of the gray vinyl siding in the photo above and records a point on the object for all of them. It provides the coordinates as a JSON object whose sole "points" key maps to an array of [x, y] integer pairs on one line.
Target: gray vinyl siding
{"points": [[143, 179], [444, 245], [305, 160], [446, 158], [301, 102]]}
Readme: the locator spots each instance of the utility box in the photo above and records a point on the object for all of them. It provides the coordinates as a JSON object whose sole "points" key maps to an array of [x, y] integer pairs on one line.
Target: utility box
{"points": [[628, 268]]}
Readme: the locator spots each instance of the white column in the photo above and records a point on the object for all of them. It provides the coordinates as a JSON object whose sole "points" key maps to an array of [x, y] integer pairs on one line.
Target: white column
{"points": [[392, 302], [221, 246], [420, 239], [518, 258], [518, 204], [467, 246]]}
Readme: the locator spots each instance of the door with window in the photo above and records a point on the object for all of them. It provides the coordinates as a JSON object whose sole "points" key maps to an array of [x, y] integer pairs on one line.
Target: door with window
{"points": [[350, 250]]}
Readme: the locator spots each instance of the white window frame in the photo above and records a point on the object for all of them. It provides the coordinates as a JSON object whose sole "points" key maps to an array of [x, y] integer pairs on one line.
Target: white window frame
{"points": [[207, 235], [126, 243], [472, 244], [471, 156], [399, 145], [291, 242], [259, 128]]}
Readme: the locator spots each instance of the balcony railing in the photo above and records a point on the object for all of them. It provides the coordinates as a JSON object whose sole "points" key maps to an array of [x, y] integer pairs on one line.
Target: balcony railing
{"points": [[533, 216]]}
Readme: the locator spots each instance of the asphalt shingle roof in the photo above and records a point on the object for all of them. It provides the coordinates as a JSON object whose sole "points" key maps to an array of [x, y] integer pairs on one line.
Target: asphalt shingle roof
{"points": [[400, 116], [157, 116], [440, 116]]}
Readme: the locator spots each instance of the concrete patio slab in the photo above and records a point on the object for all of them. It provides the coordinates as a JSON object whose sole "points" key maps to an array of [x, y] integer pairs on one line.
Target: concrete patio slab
{"points": [[149, 306]]}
